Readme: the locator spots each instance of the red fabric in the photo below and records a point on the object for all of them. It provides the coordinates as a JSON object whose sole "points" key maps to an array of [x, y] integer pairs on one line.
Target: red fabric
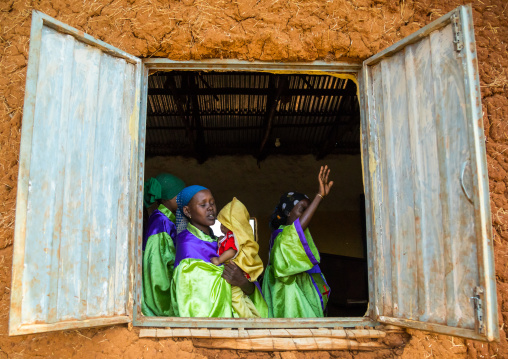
{"points": [[226, 243]]}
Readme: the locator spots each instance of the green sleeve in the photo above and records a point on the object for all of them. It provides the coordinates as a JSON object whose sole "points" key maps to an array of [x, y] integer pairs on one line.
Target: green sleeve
{"points": [[158, 260], [200, 291], [293, 251], [259, 303]]}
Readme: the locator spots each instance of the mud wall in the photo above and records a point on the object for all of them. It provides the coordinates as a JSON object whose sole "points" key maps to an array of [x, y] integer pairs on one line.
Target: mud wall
{"points": [[271, 30]]}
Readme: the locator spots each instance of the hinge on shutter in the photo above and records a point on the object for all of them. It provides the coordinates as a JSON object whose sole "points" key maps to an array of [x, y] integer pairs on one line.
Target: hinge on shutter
{"points": [[479, 325], [457, 34]]}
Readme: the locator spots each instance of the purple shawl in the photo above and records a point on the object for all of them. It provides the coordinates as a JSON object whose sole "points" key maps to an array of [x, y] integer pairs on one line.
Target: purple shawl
{"points": [[190, 246], [159, 223], [305, 245]]}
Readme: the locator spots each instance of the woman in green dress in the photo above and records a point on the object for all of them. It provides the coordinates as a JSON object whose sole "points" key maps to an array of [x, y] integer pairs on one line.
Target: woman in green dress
{"points": [[293, 285], [158, 244], [200, 288]]}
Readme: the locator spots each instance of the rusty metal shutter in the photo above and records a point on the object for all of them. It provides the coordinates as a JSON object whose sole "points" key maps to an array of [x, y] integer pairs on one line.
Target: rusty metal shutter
{"points": [[77, 189], [430, 247]]}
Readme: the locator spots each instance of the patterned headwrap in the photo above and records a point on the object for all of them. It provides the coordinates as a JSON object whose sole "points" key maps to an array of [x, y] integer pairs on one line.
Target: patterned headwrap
{"points": [[182, 200], [164, 186], [286, 204]]}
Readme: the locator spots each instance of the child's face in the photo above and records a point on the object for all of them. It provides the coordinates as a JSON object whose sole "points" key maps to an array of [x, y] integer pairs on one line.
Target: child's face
{"points": [[223, 229], [297, 211]]}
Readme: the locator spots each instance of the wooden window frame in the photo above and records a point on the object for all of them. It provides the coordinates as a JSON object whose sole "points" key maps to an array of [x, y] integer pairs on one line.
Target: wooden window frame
{"points": [[156, 64]]}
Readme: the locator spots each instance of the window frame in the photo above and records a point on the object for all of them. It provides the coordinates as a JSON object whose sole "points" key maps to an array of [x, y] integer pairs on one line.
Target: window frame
{"points": [[158, 64]]}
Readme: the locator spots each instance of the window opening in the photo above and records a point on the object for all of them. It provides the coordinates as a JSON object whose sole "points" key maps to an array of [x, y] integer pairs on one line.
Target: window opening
{"points": [[255, 135]]}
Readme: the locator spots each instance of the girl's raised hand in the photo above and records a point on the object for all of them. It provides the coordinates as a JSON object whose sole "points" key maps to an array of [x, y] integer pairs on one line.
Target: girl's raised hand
{"points": [[324, 185], [324, 189]]}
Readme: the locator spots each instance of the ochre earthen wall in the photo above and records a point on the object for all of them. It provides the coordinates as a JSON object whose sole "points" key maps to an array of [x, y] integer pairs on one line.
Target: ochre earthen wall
{"points": [[272, 30]]}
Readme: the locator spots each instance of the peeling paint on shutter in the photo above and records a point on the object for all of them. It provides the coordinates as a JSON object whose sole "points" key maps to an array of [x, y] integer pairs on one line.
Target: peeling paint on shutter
{"points": [[77, 183], [430, 245]]}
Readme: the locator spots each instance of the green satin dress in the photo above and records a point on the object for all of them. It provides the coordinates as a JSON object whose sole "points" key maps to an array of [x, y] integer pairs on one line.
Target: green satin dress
{"points": [[158, 260], [198, 288], [293, 285]]}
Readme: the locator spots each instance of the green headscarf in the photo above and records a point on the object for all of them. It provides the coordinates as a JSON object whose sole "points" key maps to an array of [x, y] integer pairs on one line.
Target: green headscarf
{"points": [[164, 186]]}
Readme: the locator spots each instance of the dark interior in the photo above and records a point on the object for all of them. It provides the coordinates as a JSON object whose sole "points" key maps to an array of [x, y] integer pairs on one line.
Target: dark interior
{"points": [[207, 114]]}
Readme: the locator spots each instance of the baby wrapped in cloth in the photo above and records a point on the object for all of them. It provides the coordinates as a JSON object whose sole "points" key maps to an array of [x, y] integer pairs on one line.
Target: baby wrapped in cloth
{"points": [[235, 217]]}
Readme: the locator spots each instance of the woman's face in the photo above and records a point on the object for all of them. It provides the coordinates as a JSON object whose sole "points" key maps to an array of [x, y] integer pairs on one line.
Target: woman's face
{"points": [[297, 211], [201, 210]]}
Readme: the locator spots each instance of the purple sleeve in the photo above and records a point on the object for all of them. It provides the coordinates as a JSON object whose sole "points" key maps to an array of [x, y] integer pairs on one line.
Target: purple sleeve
{"points": [[172, 230], [304, 242], [159, 223]]}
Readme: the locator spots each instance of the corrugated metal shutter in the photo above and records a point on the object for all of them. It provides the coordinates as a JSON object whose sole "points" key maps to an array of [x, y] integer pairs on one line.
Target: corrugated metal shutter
{"points": [[430, 229], [77, 183]]}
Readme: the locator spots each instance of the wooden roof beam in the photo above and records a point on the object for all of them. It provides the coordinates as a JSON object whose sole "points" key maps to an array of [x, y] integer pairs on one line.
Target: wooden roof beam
{"points": [[319, 115], [199, 144], [328, 144], [207, 86], [255, 91], [271, 107], [348, 123], [170, 85]]}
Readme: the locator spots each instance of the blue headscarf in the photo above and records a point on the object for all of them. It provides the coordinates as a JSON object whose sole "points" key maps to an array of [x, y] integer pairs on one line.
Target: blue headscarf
{"points": [[183, 200]]}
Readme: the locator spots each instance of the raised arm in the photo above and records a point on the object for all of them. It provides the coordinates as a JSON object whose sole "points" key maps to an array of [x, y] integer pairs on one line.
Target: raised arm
{"points": [[324, 190]]}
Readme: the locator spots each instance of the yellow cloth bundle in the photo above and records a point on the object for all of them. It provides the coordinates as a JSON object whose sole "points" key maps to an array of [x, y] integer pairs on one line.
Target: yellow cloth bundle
{"points": [[243, 305], [235, 217]]}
